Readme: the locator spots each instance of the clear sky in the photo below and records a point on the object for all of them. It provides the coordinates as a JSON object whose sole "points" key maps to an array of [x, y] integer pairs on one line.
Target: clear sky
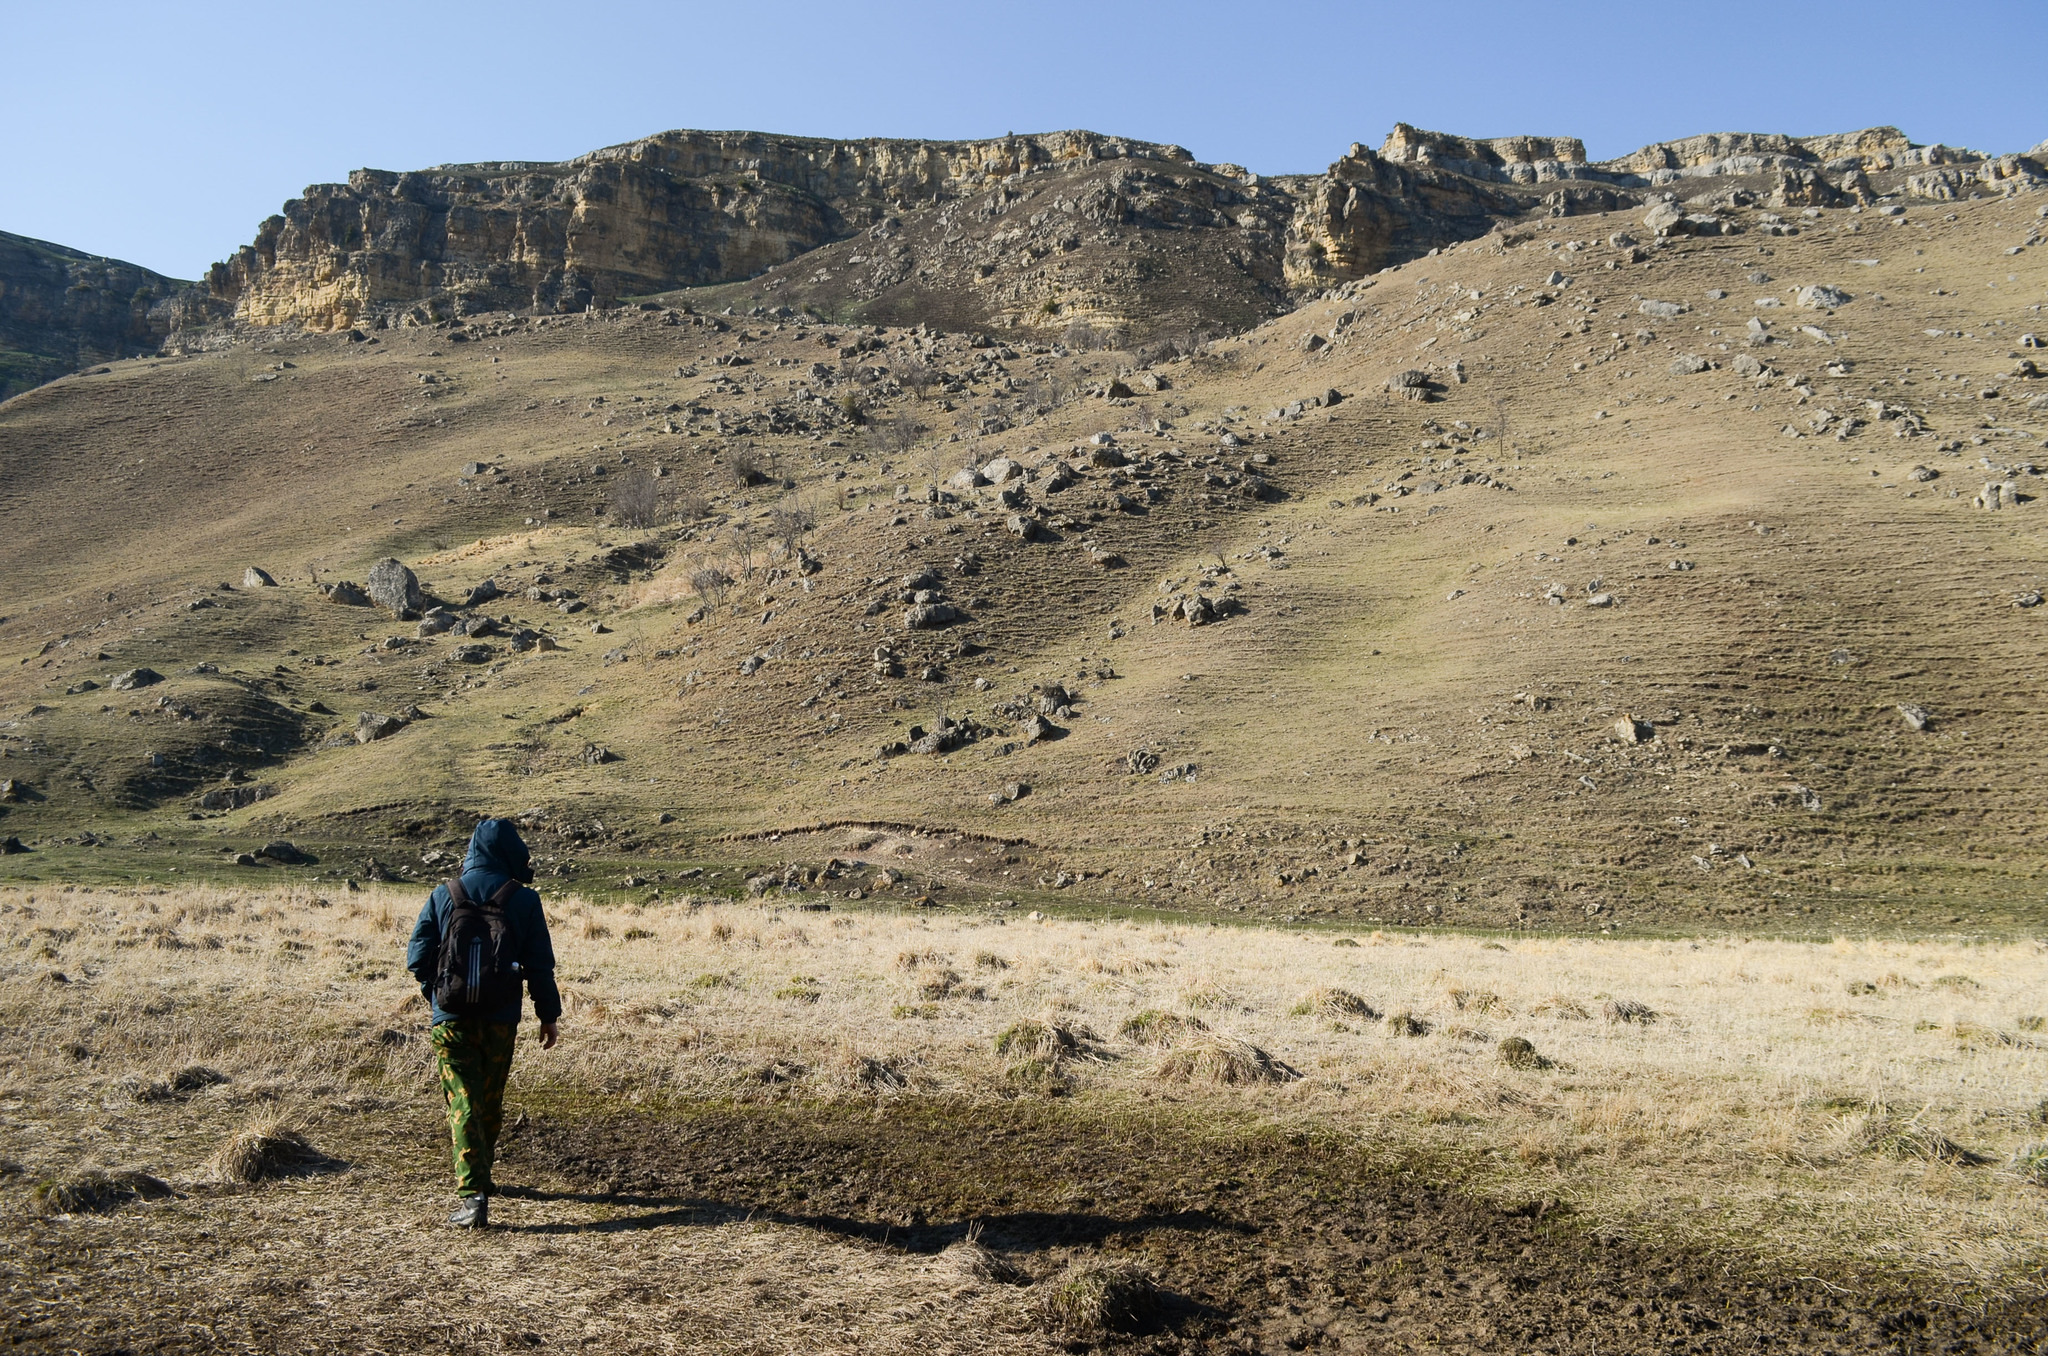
{"points": [[163, 133]]}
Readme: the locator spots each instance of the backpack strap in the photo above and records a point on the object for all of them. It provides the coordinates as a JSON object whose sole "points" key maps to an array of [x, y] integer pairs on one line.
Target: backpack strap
{"points": [[456, 896], [505, 893]]}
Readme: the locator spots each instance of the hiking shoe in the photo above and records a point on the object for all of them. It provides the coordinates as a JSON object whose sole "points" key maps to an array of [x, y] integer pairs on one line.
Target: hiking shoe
{"points": [[473, 1213]]}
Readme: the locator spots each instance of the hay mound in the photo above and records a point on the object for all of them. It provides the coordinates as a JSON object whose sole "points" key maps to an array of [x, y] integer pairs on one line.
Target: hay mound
{"points": [[1223, 1060], [1517, 1053], [1563, 1007], [1093, 1299], [1153, 1027], [98, 1192], [265, 1149], [1334, 1003], [1628, 1010]]}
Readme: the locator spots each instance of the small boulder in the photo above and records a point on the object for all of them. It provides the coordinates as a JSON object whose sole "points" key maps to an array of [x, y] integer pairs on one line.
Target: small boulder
{"points": [[482, 593], [1689, 364], [1916, 717], [371, 726], [931, 616], [345, 593], [254, 578], [396, 589], [1822, 298], [134, 678]]}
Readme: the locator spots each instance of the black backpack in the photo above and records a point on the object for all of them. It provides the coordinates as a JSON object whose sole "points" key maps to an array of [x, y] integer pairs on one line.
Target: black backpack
{"points": [[477, 971]]}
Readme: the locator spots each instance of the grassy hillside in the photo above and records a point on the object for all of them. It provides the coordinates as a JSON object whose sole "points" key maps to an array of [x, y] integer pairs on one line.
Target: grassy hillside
{"points": [[1586, 641]]}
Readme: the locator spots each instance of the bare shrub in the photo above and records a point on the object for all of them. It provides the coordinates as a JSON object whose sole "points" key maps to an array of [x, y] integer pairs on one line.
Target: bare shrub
{"points": [[788, 523], [265, 1148], [691, 507], [1093, 1299], [636, 500], [744, 467], [895, 436], [917, 378], [1223, 1060], [711, 583]]}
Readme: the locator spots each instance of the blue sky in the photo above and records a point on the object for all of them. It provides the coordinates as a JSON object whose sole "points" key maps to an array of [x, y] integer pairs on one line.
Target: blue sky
{"points": [[164, 133]]}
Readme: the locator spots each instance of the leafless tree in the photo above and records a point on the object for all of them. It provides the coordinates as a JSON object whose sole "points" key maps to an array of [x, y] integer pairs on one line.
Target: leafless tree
{"points": [[710, 583], [788, 522], [636, 500]]}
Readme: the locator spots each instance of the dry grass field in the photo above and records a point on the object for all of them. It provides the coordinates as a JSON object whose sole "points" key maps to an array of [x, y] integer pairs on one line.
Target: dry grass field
{"points": [[772, 1128]]}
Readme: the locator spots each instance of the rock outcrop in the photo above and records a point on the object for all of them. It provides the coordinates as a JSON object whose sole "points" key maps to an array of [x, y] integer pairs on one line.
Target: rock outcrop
{"points": [[680, 209]]}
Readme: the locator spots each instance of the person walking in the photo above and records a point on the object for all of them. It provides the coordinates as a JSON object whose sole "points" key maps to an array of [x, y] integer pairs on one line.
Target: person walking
{"points": [[480, 938]]}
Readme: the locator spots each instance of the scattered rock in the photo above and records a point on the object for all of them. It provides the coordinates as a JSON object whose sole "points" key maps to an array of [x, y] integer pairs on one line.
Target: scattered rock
{"points": [[135, 678], [1916, 717], [470, 654], [1629, 730], [1822, 298], [482, 593], [1689, 364], [236, 797], [284, 853], [594, 755], [1664, 310], [254, 578], [931, 616], [12, 846]]}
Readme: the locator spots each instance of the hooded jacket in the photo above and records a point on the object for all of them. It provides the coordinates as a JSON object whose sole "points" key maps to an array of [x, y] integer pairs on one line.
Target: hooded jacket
{"points": [[496, 855]]}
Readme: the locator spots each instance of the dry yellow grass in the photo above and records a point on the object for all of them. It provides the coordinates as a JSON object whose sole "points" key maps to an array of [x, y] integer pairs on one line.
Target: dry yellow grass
{"points": [[1760, 1109]]}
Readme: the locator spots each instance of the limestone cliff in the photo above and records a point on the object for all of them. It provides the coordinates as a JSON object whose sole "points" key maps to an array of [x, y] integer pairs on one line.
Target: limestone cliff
{"points": [[675, 210], [1368, 211], [61, 310]]}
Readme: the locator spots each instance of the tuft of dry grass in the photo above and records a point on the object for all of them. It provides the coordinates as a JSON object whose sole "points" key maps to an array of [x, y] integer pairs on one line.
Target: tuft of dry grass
{"points": [[97, 1192], [2030, 1163], [266, 1148], [1153, 1027], [1517, 1053], [1333, 1003], [976, 1261], [1628, 1010], [1911, 1141], [1092, 1300], [1224, 1061], [1403, 1022]]}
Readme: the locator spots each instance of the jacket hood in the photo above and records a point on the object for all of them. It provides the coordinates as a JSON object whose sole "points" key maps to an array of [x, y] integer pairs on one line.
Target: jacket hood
{"points": [[496, 847]]}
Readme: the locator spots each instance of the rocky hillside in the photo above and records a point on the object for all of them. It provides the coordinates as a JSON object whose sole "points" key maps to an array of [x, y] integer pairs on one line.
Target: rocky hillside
{"points": [[1632, 569], [1021, 233], [61, 310]]}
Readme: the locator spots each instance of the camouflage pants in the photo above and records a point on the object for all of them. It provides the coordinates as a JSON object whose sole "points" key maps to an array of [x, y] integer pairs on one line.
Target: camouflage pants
{"points": [[475, 1060]]}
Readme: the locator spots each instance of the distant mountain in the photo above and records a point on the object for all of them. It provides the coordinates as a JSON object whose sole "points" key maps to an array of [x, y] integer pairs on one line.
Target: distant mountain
{"points": [[61, 310]]}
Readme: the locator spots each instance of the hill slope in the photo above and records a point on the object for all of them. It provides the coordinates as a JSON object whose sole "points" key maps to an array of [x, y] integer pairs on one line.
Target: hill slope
{"points": [[1616, 629]]}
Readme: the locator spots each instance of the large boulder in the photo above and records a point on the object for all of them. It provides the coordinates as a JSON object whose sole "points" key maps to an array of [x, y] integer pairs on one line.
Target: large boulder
{"points": [[396, 589]]}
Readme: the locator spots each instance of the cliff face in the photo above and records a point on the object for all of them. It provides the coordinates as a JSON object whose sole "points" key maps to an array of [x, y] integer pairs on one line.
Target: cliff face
{"points": [[1020, 230], [61, 310], [677, 210], [1367, 212]]}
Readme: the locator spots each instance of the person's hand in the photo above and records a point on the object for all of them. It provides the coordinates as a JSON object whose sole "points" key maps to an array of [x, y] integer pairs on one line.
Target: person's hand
{"points": [[548, 1035]]}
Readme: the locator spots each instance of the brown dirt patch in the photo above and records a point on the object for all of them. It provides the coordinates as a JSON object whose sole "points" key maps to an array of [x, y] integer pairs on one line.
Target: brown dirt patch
{"points": [[1266, 1240]]}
